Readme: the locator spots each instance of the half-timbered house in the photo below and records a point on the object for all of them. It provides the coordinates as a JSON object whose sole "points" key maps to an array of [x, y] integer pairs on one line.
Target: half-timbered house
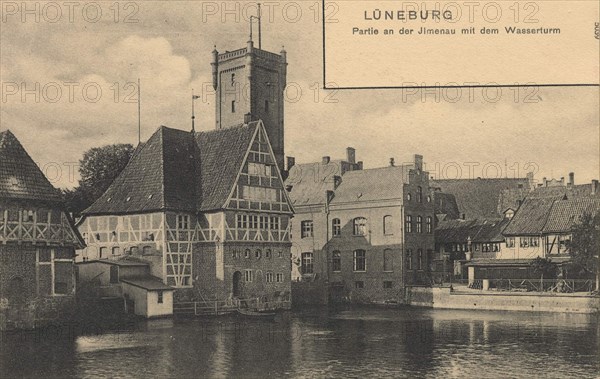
{"points": [[37, 243], [207, 211]]}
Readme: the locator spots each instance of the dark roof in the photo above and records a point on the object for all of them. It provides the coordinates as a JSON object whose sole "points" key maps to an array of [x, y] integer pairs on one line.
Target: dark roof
{"points": [[569, 192], [566, 213], [373, 184], [20, 177], [445, 204], [149, 283], [480, 231], [179, 170], [531, 217], [479, 198]]}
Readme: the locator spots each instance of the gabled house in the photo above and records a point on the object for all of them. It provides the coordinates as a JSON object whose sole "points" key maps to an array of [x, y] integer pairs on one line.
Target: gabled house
{"points": [[37, 243], [206, 211]]}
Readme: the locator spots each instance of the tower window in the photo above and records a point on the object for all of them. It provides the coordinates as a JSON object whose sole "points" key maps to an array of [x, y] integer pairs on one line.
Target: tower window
{"points": [[233, 106], [232, 80], [266, 105]]}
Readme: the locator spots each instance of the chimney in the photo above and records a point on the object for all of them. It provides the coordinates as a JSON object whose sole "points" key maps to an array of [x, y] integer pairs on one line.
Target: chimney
{"points": [[247, 118], [530, 180], [392, 162], [291, 162], [326, 160], [418, 162], [545, 182], [351, 155], [571, 178], [595, 187], [562, 180]]}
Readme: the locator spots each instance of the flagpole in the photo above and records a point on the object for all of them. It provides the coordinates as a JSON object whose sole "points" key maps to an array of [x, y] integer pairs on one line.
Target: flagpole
{"points": [[259, 28], [139, 113]]}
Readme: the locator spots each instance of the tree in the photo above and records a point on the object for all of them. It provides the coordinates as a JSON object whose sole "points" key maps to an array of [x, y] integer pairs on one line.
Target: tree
{"points": [[98, 169], [543, 267], [585, 245]]}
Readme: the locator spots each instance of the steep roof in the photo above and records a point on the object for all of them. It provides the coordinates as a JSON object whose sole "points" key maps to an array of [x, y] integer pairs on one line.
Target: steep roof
{"points": [[570, 192], [531, 217], [179, 170], [566, 213], [479, 198], [20, 177], [445, 204]]}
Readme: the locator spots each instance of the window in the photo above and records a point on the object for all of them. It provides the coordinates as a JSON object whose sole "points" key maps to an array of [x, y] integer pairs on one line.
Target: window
{"points": [[280, 254], [524, 242], [359, 284], [146, 250], [269, 277], [247, 253], [63, 274], [408, 197], [408, 224], [259, 169], [388, 225], [259, 193], [266, 105], [419, 259], [307, 263], [429, 223], [388, 284], [510, 242], [160, 297], [274, 223], [248, 275], [388, 260], [360, 226], [28, 215], [257, 254], [115, 250], [307, 228], [419, 194], [103, 252], [409, 259], [183, 222], [360, 260], [268, 253], [232, 79], [336, 261], [336, 227], [419, 224], [279, 278], [233, 106]]}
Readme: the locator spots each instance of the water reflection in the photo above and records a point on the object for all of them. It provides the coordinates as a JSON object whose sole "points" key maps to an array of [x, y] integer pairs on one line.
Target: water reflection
{"points": [[317, 343]]}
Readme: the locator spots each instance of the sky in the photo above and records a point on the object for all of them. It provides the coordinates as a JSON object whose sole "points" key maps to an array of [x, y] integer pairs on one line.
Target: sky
{"points": [[68, 75]]}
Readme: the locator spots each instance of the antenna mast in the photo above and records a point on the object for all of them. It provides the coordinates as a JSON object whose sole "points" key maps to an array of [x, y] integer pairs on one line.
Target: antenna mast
{"points": [[193, 115]]}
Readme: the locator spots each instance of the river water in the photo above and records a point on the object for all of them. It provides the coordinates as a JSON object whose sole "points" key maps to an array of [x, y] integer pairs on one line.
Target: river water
{"points": [[320, 342]]}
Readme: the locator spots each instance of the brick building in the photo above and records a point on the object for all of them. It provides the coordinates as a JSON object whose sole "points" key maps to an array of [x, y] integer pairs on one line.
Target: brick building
{"points": [[360, 235], [37, 243], [208, 211]]}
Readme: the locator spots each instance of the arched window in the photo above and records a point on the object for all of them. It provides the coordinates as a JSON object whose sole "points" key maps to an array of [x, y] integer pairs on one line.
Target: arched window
{"points": [[429, 222], [420, 259], [360, 260], [336, 227], [360, 226], [388, 225], [336, 261], [408, 224], [419, 224], [247, 253], [409, 259], [419, 194]]}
